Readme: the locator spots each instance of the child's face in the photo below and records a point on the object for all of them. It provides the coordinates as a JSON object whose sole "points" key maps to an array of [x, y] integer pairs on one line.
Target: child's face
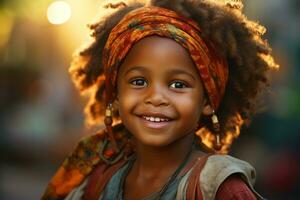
{"points": [[159, 79]]}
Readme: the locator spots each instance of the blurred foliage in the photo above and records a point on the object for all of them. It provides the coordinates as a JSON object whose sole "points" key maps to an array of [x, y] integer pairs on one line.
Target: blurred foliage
{"points": [[5, 2]]}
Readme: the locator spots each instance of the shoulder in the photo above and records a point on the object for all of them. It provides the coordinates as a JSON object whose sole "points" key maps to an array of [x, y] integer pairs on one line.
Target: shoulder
{"points": [[78, 165], [218, 168], [234, 188], [85, 153], [92, 149], [75, 167]]}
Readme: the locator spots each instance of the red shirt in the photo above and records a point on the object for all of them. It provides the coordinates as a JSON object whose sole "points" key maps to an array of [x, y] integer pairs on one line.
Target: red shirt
{"points": [[234, 188]]}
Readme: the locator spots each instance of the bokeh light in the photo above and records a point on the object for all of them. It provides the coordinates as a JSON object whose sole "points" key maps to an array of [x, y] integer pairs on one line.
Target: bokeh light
{"points": [[59, 12]]}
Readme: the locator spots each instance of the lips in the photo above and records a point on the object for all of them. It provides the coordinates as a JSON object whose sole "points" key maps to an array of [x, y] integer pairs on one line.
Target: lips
{"points": [[155, 120]]}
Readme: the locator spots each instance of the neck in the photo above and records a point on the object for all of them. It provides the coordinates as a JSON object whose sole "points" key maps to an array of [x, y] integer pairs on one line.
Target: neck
{"points": [[152, 161]]}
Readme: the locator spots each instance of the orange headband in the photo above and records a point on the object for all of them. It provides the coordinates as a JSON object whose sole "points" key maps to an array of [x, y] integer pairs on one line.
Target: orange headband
{"points": [[147, 21]]}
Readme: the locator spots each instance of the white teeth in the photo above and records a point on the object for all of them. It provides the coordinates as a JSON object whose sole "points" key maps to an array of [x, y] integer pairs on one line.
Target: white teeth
{"points": [[155, 119]]}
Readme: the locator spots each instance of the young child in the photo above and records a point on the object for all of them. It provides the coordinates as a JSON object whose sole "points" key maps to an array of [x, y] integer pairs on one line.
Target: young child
{"points": [[174, 81]]}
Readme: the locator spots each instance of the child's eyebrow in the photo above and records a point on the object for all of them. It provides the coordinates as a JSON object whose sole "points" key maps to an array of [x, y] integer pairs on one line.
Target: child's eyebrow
{"points": [[180, 71], [136, 68]]}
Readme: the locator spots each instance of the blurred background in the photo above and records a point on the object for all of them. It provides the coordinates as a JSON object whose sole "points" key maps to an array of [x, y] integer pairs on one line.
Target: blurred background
{"points": [[41, 112]]}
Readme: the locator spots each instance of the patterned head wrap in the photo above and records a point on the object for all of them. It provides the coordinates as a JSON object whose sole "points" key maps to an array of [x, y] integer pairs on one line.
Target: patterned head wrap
{"points": [[151, 20]]}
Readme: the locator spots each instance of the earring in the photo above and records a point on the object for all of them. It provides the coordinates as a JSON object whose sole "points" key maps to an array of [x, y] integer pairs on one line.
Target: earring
{"points": [[216, 126], [108, 120], [108, 115]]}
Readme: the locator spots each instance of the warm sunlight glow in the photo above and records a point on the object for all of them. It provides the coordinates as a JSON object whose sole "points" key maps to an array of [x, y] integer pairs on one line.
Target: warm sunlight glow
{"points": [[208, 139], [59, 12]]}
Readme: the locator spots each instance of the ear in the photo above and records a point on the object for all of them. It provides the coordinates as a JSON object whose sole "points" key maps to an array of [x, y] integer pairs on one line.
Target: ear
{"points": [[207, 109]]}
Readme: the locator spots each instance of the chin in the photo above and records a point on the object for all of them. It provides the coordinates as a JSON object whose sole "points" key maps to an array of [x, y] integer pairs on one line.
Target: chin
{"points": [[155, 141]]}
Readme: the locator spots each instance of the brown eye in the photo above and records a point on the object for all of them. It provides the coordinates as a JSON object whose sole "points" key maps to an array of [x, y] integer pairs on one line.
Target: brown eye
{"points": [[178, 84], [138, 82]]}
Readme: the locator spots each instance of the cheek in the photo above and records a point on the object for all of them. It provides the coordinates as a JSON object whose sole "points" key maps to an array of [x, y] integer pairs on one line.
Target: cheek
{"points": [[190, 108], [126, 101]]}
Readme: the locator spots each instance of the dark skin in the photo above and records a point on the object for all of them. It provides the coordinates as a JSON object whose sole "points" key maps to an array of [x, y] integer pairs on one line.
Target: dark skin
{"points": [[158, 79]]}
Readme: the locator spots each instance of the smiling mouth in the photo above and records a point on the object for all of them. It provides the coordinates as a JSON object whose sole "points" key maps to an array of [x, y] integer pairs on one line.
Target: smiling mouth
{"points": [[156, 119], [155, 122]]}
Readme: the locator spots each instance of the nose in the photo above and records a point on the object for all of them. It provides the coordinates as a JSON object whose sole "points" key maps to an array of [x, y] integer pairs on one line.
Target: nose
{"points": [[157, 96]]}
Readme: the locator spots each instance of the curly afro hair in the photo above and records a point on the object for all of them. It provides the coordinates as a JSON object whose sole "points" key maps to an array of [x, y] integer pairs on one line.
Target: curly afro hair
{"points": [[222, 21]]}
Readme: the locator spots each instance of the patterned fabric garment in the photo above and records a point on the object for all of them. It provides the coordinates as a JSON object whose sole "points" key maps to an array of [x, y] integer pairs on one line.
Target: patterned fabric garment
{"points": [[147, 21], [71, 178], [114, 191], [79, 164], [222, 178]]}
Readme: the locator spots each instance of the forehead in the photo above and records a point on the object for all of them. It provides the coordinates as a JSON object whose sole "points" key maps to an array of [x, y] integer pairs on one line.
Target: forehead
{"points": [[161, 53]]}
